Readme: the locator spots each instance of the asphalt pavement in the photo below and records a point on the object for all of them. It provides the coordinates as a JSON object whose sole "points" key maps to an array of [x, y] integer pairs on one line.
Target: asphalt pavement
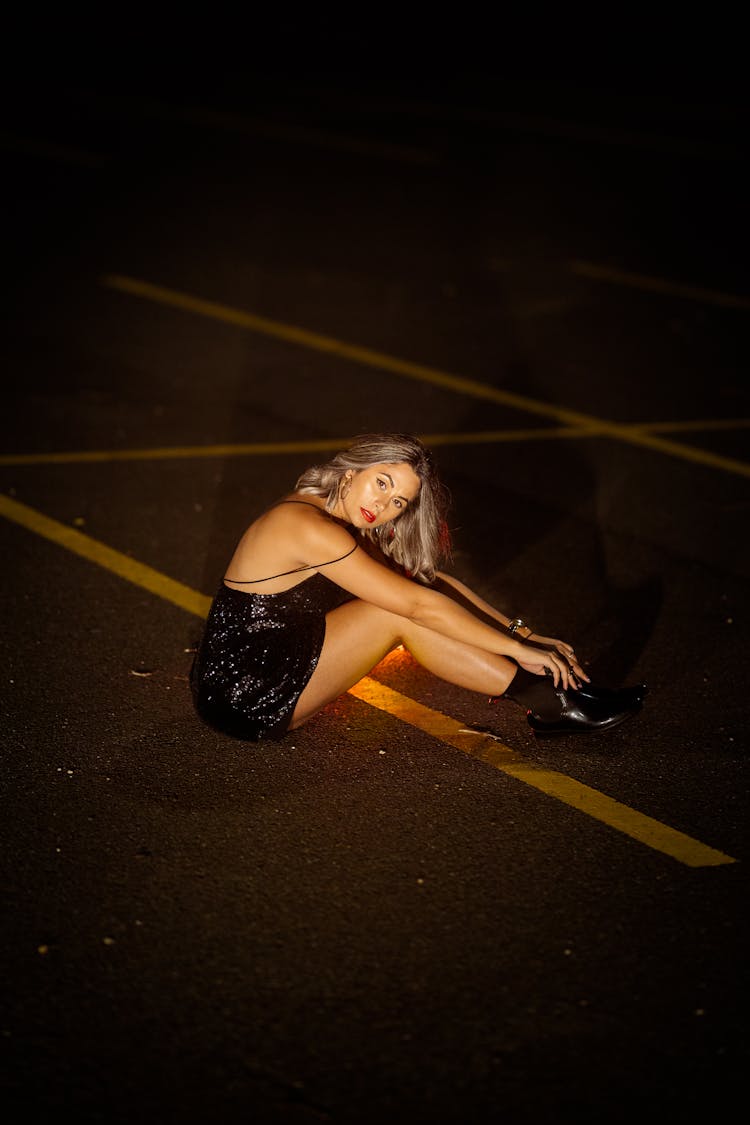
{"points": [[411, 908]]}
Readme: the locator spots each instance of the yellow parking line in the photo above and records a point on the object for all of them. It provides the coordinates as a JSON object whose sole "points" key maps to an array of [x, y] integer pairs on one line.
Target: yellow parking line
{"points": [[659, 285], [325, 445], [472, 388], [292, 334], [267, 448], [114, 561], [695, 425], [488, 749], [174, 452], [481, 746]]}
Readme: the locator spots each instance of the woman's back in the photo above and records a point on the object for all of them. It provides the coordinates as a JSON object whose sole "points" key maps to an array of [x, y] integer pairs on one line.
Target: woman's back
{"points": [[293, 537]]}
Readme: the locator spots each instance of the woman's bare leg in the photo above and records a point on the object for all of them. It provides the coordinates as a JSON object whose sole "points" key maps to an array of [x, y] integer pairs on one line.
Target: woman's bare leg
{"points": [[359, 635]]}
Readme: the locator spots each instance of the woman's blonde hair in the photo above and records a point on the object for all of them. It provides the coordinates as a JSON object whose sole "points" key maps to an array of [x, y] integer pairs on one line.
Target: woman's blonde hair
{"points": [[419, 538]]}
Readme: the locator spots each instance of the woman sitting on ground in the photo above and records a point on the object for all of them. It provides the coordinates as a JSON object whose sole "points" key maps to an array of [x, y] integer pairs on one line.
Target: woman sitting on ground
{"points": [[326, 582]]}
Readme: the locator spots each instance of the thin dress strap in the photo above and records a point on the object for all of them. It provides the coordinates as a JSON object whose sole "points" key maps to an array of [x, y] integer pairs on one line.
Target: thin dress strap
{"points": [[297, 569]]}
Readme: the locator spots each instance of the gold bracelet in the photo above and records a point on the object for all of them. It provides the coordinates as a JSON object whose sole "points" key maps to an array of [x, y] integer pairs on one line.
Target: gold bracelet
{"points": [[516, 624]]}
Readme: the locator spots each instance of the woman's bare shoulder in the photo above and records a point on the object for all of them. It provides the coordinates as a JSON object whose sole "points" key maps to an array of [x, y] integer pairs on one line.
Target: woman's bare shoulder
{"points": [[285, 538], [306, 522]]}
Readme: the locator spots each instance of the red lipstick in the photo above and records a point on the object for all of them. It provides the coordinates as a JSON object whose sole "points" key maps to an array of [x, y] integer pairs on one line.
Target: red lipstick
{"points": [[369, 516]]}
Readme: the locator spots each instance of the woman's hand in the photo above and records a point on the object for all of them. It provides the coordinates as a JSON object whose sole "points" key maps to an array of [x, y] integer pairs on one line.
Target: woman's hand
{"points": [[563, 649], [548, 656]]}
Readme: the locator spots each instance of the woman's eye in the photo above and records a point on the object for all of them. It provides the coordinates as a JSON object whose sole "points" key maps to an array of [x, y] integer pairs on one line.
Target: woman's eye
{"points": [[381, 484], [398, 503]]}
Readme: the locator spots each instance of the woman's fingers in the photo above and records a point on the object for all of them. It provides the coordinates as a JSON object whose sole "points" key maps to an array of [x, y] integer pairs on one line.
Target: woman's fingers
{"points": [[557, 670], [566, 672], [569, 656], [563, 672]]}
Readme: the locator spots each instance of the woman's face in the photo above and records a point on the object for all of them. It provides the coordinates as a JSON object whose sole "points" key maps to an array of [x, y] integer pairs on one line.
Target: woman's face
{"points": [[375, 495]]}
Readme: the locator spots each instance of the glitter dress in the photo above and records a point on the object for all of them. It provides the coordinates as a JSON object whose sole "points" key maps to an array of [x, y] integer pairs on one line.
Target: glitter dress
{"points": [[258, 652]]}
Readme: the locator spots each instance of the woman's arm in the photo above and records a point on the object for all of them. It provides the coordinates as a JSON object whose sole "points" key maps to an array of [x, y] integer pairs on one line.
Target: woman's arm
{"points": [[525, 632], [371, 581], [467, 595]]}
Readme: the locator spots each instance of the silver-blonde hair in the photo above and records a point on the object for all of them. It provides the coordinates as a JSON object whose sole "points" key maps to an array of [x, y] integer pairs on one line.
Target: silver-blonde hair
{"points": [[417, 539]]}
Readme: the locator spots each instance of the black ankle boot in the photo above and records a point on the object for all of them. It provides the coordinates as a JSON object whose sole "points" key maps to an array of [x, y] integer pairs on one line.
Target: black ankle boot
{"points": [[551, 710], [580, 714]]}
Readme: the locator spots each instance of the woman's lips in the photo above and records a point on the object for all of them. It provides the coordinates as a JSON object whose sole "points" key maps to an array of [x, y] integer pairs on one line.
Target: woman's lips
{"points": [[368, 515]]}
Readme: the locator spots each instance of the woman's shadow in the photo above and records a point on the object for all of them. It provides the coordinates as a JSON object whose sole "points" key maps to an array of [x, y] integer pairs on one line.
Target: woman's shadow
{"points": [[529, 538]]}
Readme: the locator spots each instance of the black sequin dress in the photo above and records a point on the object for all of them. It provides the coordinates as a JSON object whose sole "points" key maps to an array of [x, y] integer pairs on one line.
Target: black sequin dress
{"points": [[257, 653]]}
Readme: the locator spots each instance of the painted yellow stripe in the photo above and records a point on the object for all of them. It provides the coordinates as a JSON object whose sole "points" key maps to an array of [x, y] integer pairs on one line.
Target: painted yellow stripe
{"points": [[483, 747], [582, 797], [694, 425], [291, 334], [659, 285], [457, 383], [106, 557], [283, 448], [267, 448], [175, 452]]}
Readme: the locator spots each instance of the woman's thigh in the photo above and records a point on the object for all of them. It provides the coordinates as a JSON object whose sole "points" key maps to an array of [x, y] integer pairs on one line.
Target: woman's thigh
{"points": [[358, 636]]}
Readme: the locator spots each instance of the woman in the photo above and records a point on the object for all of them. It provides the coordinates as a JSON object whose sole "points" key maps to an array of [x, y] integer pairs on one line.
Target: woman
{"points": [[343, 570]]}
